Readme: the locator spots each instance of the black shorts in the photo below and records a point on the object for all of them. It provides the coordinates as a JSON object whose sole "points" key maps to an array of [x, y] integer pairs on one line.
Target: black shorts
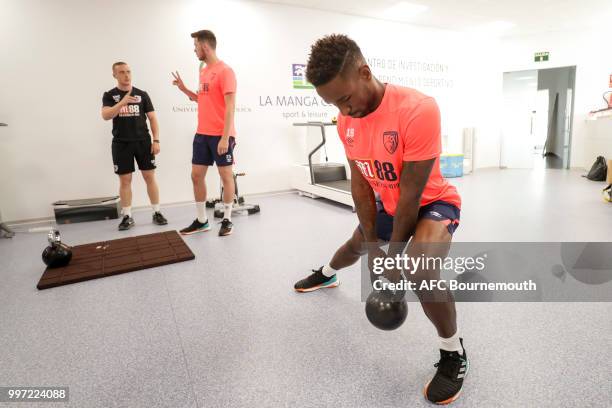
{"points": [[124, 154], [446, 213], [205, 151]]}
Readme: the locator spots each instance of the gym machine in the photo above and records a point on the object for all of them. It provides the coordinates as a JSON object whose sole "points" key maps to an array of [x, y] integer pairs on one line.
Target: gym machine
{"points": [[240, 206]]}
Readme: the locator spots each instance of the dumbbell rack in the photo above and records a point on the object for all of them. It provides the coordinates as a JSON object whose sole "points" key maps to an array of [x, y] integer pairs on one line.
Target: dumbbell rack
{"points": [[5, 231]]}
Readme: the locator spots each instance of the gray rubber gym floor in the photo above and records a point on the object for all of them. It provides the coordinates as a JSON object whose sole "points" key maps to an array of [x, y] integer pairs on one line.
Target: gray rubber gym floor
{"points": [[227, 330]]}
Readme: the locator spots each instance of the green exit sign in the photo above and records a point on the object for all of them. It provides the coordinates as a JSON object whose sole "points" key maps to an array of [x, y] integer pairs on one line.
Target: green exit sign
{"points": [[541, 56]]}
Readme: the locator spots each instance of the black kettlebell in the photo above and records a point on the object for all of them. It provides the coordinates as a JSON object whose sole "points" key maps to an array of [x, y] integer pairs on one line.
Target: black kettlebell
{"points": [[386, 310], [57, 254]]}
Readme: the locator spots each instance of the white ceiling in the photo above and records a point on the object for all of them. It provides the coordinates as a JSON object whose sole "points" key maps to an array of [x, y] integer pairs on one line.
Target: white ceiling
{"points": [[528, 16]]}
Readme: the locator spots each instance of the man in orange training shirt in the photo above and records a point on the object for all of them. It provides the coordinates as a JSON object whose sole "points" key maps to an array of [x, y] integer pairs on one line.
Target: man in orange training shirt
{"points": [[391, 136], [215, 137]]}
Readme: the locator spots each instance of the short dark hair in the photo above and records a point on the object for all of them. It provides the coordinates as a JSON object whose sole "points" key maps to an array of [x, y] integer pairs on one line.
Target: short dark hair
{"points": [[330, 56], [206, 35], [116, 64]]}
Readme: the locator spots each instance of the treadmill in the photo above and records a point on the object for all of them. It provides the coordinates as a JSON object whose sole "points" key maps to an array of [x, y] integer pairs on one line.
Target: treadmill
{"points": [[328, 180]]}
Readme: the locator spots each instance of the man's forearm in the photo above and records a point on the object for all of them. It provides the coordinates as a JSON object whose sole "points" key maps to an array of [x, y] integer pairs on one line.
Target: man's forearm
{"points": [[229, 120], [412, 182], [109, 112], [365, 206], [155, 129], [404, 222], [190, 94]]}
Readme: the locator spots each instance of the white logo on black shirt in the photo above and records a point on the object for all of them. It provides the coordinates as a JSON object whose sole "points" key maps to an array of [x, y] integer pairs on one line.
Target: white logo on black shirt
{"points": [[129, 110]]}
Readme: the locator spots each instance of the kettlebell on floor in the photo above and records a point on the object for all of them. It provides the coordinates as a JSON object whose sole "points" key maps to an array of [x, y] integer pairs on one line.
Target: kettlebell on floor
{"points": [[57, 254]]}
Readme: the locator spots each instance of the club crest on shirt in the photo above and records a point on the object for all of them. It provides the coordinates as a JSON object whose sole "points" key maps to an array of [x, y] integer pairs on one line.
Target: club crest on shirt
{"points": [[350, 136], [116, 98], [390, 141]]}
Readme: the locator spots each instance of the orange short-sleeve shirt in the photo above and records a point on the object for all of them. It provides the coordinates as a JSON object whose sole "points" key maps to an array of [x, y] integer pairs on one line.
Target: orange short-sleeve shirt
{"points": [[216, 81], [405, 127]]}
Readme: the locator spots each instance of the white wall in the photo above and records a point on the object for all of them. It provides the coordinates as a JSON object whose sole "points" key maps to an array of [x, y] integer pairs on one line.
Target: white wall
{"points": [[56, 65], [588, 50]]}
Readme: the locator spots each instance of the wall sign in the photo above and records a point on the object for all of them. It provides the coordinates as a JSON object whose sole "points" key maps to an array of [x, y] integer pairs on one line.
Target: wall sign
{"points": [[541, 56]]}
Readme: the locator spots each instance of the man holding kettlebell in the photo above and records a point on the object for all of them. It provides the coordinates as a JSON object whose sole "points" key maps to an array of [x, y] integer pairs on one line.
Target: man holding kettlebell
{"points": [[391, 137]]}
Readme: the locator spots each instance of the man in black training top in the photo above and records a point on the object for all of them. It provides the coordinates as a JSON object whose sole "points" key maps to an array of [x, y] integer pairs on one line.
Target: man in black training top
{"points": [[129, 108]]}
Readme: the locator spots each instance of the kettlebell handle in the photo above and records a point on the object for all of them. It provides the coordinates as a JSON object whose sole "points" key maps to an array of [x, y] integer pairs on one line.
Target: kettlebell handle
{"points": [[397, 295], [54, 237]]}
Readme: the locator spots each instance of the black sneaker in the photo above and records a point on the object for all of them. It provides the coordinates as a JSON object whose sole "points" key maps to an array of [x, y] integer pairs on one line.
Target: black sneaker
{"points": [[316, 281], [445, 386], [196, 226], [126, 223], [226, 227], [159, 219]]}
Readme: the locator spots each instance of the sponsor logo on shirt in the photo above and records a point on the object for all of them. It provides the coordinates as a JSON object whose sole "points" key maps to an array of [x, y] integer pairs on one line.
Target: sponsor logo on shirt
{"points": [[350, 136], [366, 167], [205, 86], [390, 141], [376, 172], [129, 110]]}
